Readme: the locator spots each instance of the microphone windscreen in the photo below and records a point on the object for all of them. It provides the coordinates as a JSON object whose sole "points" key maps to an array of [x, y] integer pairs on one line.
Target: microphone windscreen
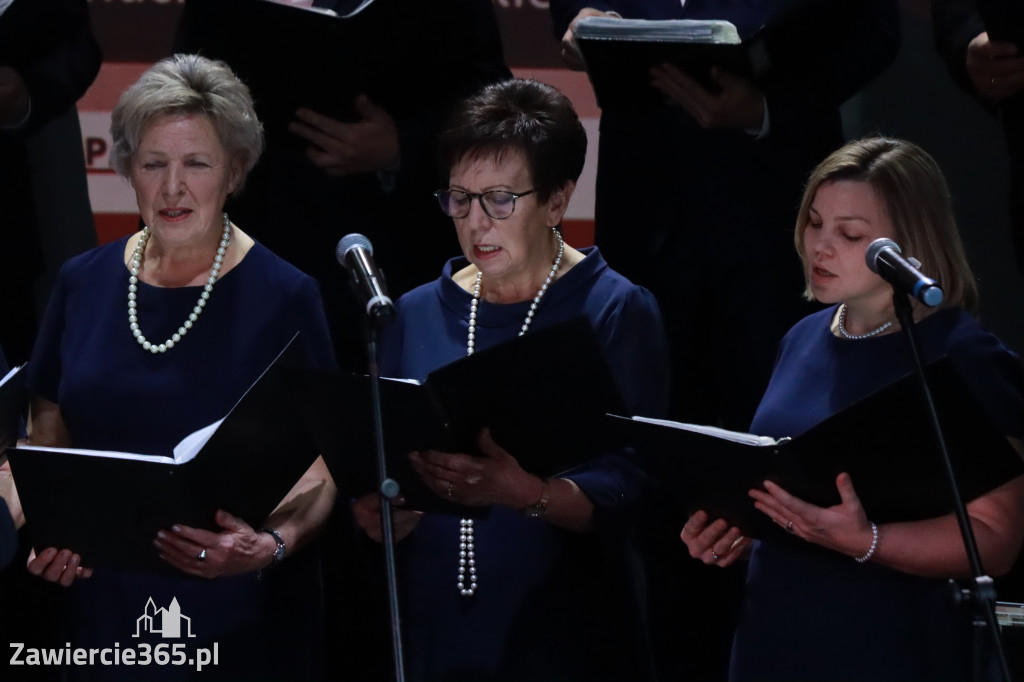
{"points": [[349, 242], [875, 248]]}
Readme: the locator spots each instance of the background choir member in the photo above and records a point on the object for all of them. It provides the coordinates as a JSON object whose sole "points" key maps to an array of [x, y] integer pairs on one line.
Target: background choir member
{"points": [[992, 71], [372, 172], [48, 58]]}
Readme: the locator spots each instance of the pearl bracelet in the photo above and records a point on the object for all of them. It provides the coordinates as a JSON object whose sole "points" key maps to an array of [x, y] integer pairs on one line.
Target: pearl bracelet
{"points": [[871, 549]]}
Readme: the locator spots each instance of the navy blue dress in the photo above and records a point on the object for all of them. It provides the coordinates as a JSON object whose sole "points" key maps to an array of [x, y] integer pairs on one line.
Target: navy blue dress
{"points": [[551, 604], [114, 395], [811, 614], [8, 536]]}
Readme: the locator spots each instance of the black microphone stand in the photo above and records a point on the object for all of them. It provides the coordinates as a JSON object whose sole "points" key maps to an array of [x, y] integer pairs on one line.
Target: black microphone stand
{"points": [[388, 492], [980, 597]]}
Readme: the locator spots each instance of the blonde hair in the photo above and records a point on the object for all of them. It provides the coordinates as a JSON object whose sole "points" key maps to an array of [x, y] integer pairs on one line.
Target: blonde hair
{"points": [[916, 200], [188, 84]]}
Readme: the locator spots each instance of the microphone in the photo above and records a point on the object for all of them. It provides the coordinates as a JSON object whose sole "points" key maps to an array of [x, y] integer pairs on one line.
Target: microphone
{"points": [[884, 259], [355, 253]]}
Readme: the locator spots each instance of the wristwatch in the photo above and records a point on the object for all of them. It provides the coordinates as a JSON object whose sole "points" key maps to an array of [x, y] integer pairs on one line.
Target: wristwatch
{"points": [[540, 507], [279, 550]]}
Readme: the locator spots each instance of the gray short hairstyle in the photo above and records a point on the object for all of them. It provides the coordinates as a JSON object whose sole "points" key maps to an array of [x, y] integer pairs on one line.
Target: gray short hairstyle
{"points": [[188, 84]]}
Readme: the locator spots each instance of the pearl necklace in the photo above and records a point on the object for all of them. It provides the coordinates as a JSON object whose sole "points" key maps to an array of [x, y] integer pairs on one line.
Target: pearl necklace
{"points": [[853, 337], [133, 281], [467, 547]]}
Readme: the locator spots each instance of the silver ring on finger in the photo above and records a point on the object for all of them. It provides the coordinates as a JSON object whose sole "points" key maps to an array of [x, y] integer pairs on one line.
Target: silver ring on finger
{"points": [[202, 555], [789, 527], [451, 489], [714, 556]]}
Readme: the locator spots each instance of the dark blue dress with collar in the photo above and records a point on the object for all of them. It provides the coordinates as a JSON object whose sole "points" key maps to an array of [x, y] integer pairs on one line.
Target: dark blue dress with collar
{"points": [[551, 604], [811, 614], [113, 395]]}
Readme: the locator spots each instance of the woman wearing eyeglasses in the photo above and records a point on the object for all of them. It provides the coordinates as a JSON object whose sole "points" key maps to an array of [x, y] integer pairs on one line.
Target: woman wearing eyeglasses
{"points": [[541, 588]]}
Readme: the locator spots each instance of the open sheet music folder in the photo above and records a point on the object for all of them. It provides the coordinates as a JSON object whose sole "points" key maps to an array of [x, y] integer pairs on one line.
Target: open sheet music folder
{"points": [[883, 441], [543, 395], [108, 506]]}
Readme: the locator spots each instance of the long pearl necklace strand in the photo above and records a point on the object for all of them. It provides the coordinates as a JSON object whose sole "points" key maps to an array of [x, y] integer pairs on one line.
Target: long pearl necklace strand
{"points": [[847, 335], [133, 282], [467, 547]]}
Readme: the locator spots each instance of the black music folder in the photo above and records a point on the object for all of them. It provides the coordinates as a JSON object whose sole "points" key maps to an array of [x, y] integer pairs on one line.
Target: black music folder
{"points": [[883, 441], [292, 56], [109, 506], [619, 55], [543, 395], [12, 403]]}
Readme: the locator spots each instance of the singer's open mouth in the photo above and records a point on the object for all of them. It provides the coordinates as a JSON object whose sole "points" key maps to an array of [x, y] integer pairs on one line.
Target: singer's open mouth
{"points": [[486, 249], [822, 272]]}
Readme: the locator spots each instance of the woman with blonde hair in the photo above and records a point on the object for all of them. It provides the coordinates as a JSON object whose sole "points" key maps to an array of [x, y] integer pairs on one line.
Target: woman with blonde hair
{"points": [[861, 600]]}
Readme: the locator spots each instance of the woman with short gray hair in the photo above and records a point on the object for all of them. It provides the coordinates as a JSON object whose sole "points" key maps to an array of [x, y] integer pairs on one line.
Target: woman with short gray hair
{"points": [[158, 334]]}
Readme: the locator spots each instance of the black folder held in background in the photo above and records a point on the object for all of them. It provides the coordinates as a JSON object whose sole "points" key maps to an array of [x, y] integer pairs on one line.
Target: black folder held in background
{"points": [[292, 56], [109, 510], [619, 54], [792, 46], [543, 395], [883, 441]]}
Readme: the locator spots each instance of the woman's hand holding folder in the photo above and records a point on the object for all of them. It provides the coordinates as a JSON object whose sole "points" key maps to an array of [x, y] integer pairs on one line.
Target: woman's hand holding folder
{"points": [[714, 542], [60, 566]]}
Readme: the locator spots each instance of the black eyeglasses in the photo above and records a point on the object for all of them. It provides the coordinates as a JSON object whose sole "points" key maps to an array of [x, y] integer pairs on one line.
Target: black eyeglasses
{"points": [[497, 203]]}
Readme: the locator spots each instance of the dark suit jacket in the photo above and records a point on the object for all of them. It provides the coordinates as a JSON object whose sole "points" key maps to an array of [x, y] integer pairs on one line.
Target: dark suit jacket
{"points": [[822, 51], [955, 24], [50, 44]]}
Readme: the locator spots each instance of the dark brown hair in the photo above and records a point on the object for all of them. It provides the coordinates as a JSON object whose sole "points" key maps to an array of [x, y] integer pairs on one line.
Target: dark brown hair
{"points": [[518, 115]]}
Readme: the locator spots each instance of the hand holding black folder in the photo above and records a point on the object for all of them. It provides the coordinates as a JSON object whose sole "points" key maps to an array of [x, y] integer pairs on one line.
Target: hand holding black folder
{"points": [[544, 397], [620, 53], [282, 52], [108, 508], [878, 441]]}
